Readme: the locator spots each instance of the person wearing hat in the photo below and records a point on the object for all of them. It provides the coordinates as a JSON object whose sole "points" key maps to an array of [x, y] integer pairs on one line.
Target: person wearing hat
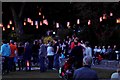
{"points": [[85, 72]]}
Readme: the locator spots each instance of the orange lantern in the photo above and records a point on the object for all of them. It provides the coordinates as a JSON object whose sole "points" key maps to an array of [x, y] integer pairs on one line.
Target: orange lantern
{"points": [[13, 28], [10, 22], [3, 28], [40, 23], [24, 23], [36, 26], [118, 20], [8, 26], [39, 13], [45, 21]]}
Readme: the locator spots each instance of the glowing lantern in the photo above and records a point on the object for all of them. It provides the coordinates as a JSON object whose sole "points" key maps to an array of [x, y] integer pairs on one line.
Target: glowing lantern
{"points": [[32, 23], [40, 23], [28, 64], [100, 19], [36, 23], [89, 22], [45, 21], [3, 28], [36, 26], [8, 26], [24, 23], [68, 24], [104, 16], [13, 28], [1, 25], [43, 16], [78, 21], [10, 22], [57, 25], [39, 13], [53, 32], [111, 14], [28, 19], [118, 20]]}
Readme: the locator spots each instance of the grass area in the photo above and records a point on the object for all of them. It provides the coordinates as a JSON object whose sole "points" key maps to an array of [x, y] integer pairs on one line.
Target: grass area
{"points": [[103, 73]]}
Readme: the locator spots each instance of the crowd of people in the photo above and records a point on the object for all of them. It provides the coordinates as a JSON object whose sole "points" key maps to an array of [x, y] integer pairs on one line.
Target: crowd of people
{"points": [[25, 55]]}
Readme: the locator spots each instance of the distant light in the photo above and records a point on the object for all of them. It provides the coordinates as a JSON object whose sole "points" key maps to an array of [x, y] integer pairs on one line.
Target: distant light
{"points": [[78, 21], [10, 22], [53, 32], [100, 19], [8, 26], [68, 24], [1, 25], [32, 23], [3, 28], [89, 22], [24, 23], [118, 20], [36, 26], [28, 19], [13, 28], [43, 16], [39, 13], [40, 23], [45, 21], [111, 14], [24, 19], [36, 23], [104, 16], [57, 25], [28, 64]]}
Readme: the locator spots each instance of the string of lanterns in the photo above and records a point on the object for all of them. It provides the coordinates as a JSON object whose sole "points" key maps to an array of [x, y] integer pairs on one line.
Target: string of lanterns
{"points": [[57, 24]]}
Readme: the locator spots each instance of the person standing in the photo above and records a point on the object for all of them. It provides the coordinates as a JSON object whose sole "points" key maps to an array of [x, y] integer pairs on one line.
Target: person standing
{"points": [[27, 56], [85, 72], [12, 56], [5, 53], [42, 56], [57, 54], [50, 56], [20, 56]]}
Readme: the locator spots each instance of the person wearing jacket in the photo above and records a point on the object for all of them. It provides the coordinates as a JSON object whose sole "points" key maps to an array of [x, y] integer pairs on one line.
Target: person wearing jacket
{"points": [[5, 53]]}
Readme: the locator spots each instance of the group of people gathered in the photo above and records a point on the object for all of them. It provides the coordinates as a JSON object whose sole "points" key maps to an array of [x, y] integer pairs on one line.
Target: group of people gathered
{"points": [[27, 54]]}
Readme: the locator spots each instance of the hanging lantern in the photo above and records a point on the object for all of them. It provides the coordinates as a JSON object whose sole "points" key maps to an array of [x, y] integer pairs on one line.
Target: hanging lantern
{"points": [[36, 23], [43, 16], [24, 23], [39, 13], [78, 21], [8, 26], [40, 23], [10, 22], [104, 16], [32, 23], [3, 28], [68, 24], [1, 25], [57, 25], [111, 14], [89, 22], [13, 28], [36, 26], [100, 19], [118, 20], [45, 21], [28, 19]]}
